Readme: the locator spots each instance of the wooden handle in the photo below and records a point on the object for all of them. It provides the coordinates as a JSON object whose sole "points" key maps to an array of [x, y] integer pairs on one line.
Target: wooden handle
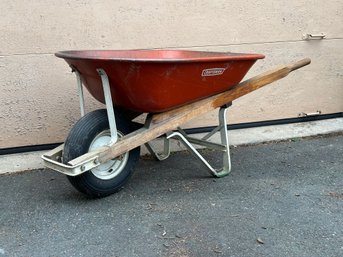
{"points": [[299, 64]]}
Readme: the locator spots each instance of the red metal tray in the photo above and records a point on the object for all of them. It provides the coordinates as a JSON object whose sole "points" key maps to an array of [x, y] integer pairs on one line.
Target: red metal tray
{"points": [[159, 80]]}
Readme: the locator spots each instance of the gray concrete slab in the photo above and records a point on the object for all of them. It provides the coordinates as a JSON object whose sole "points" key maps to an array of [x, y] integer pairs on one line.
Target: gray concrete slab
{"points": [[288, 195]]}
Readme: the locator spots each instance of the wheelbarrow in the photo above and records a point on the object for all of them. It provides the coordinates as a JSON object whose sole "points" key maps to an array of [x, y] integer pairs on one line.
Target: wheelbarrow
{"points": [[172, 87]]}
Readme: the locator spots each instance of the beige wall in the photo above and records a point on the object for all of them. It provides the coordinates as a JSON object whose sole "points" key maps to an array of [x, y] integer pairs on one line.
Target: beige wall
{"points": [[38, 101]]}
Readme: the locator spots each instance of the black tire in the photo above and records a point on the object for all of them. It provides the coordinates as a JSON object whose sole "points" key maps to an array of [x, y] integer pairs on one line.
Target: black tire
{"points": [[78, 142]]}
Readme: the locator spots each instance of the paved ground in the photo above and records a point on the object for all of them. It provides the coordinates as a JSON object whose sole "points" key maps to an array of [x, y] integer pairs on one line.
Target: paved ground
{"points": [[288, 196]]}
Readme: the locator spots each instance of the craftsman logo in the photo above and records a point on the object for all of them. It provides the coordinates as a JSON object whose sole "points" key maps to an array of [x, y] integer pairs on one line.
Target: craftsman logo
{"points": [[212, 72]]}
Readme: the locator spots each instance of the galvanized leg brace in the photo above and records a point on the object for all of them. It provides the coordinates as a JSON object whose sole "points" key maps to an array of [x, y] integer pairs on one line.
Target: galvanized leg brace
{"points": [[108, 101], [189, 141]]}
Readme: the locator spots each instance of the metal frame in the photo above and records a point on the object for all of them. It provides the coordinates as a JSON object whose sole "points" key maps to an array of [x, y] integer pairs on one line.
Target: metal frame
{"points": [[53, 159], [189, 141]]}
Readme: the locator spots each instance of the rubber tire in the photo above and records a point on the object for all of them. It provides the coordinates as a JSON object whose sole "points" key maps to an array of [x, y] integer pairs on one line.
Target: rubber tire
{"points": [[78, 143]]}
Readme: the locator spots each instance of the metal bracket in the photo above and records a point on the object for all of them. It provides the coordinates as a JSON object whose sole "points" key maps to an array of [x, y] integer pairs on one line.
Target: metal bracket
{"points": [[109, 105], [108, 100], [310, 36], [80, 90], [304, 114], [166, 149], [53, 160]]}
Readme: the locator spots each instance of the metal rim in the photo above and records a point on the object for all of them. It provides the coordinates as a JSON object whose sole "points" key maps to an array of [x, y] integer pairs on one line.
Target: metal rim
{"points": [[113, 167]]}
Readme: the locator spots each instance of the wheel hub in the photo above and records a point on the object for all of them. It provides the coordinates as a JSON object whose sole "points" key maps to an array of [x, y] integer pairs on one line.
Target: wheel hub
{"points": [[112, 168]]}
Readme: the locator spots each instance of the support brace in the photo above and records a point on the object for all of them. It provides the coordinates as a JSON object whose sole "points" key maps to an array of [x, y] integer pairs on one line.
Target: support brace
{"points": [[80, 91], [188, 142], [166, 149], [109, 105]]}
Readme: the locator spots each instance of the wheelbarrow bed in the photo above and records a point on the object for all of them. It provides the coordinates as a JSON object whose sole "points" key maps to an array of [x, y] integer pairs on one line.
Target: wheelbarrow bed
{"points": [[159, 80]]}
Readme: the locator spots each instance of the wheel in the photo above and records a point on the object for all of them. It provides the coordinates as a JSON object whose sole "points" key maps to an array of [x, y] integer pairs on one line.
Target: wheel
{"points": [[89, 133]]}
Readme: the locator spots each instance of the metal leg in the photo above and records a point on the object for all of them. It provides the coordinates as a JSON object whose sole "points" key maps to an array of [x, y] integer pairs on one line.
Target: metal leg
{"points": [[166, 149], [224, 146], [225, 141], [190, 147], [189, 141], [166, 143], [109, 105]]}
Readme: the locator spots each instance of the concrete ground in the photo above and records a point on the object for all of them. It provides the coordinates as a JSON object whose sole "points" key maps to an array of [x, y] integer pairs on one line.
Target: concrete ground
{"points": [[281, 199]]}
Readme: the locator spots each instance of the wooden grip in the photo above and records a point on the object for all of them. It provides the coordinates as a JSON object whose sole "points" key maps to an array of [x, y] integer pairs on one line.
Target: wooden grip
{"points": [[299, 64]]}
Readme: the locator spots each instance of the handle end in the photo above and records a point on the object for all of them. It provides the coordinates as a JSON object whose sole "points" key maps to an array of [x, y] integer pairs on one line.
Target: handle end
{"points": [[300, 64]]}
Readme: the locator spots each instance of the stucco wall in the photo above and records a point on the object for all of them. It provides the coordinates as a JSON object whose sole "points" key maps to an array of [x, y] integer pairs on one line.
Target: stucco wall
{"points": [[38, 101]]}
